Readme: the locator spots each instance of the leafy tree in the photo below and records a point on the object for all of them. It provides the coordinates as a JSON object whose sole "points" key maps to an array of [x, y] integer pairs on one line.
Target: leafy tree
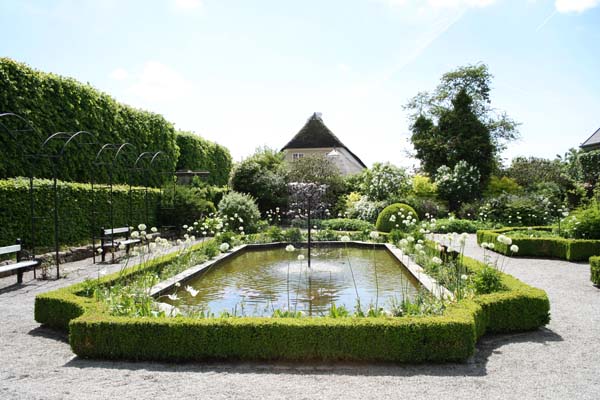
{"points": [[318, 170], [458, 135], [531, 171], [263, 176], [476, 81]]}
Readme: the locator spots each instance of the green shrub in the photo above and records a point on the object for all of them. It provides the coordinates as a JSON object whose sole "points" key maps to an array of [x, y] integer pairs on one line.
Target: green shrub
{"points": [[275, 234], [347, 224], [198, 154], [184, 208], [75, 210], [293, 235], [241, 210], [487, 280], [595, 270], [427, 207], [583, 223], [302, 223], [449, 337], [326, 235], [392, 217], [542, 247], [456, 225]]}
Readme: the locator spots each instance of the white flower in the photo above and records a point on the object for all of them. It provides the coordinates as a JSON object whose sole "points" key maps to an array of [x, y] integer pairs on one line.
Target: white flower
{"points": [[193, 292], [135, 235], [289, 248], [463, 277], [491, 246], [185, 227], [152, 246], [241, 228], [99, 251], [393, 218], [177, 284], [173, 297], [154, 229], [514, 248], [345, 238], [122, 246], [224, 247], [419, 246], [436, 260], [504, 240], [142, 227], [300, 257], [374, 235]]}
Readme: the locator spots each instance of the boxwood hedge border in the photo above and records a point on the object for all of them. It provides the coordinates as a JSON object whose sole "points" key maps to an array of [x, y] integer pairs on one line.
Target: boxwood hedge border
{"points": [[448, 337], [562, 248], [595, 270]]}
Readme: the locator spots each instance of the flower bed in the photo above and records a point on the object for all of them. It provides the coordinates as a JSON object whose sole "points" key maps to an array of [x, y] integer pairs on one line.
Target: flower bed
{"points": [[452, 336], [543, 247]]}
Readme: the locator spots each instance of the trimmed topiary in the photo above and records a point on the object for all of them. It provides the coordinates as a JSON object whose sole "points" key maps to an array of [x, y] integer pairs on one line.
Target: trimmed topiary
{"points": [[595, 270], [395, 216]]}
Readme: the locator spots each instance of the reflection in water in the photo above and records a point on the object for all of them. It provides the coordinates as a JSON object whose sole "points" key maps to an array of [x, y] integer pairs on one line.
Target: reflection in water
{"points": [[257, 282]]}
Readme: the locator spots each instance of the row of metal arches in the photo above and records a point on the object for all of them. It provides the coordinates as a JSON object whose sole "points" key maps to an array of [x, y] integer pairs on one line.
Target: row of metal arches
{"points": [[105, 158]]}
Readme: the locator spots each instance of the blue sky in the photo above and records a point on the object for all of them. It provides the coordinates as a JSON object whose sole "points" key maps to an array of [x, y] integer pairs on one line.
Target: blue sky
{"points": [[249, 73]]}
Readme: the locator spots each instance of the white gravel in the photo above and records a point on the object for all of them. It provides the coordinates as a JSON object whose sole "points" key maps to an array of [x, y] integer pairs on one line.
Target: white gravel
{"points": [[561, 361]]}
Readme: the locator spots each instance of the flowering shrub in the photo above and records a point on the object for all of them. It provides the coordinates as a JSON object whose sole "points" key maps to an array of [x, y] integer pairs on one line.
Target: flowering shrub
{"points": [[396, 216], [583, 223], [457, 185], [366, 209], [240, 211], [384, 181], [527, 210]]}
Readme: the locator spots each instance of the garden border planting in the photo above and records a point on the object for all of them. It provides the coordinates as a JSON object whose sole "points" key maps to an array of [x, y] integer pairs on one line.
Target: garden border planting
{"points": [[448, 337], [595, 270], [562, 248]]}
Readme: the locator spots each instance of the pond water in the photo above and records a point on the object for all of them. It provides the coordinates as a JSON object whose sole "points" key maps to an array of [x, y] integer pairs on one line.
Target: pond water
{"points": [[256, 282]]}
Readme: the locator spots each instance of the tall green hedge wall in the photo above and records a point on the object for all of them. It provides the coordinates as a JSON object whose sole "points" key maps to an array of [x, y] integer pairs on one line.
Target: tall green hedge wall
{"points": [[199, 154], [75, 210], [54, 103]]}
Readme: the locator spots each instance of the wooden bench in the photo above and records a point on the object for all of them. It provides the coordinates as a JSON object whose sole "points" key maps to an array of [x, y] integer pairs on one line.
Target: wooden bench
{"points": [[114, 237], [22, 264]]}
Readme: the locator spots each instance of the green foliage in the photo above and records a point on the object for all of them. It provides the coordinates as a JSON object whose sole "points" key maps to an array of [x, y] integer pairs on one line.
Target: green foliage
{"points": [[451, 225], [275, 234], [264, 177], [242, 211], [319, 170], [395, 214], [347, 224], [56, 104], [184, 207], [422, 186], [440, 338], [583, 223], [198, 154], [528, 172], [293, 235], [521, 210], [458, 185], [459, 136], [590, 166], [595, 270], [542, 247], [487, 280], [363, 208], [75, 210], [384, 181], [428, 207], [504, 185]]}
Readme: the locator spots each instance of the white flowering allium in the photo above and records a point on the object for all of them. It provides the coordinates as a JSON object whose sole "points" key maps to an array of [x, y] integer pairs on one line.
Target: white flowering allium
{"points": [[224, 247], [514, 248], [289, 248], [185, 227], [142, 227], [135, 235], [419, 246], [345, 238], [300, 257], [504, 240], [374, 235], [436, 260]]}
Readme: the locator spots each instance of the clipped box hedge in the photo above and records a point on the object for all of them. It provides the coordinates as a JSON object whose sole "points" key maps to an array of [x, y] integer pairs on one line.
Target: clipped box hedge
{"points": [[75, 210], [565, 249], [449, 337], [595, 270]]}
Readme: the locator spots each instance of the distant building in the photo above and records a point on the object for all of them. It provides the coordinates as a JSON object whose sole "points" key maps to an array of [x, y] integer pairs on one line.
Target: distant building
{"points": [[593, 143], [315, 139]]}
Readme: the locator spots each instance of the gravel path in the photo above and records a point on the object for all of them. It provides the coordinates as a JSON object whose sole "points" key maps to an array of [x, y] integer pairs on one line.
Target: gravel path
{"points": [[558, 362]]}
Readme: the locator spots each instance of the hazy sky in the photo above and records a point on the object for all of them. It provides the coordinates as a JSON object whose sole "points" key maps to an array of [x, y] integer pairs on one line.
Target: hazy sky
{"points": [[249, 73]]}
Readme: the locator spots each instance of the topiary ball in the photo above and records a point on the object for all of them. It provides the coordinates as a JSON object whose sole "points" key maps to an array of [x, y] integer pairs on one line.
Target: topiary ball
{"points": [[396, 216]]}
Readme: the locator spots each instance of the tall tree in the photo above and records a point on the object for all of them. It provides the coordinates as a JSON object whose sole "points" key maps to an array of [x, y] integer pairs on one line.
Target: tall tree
{"points": [[476, 81], [458, 136]]}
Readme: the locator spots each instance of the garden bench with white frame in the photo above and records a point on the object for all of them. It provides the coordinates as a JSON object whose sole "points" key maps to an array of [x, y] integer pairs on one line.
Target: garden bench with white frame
{"points": [[22, 264]]}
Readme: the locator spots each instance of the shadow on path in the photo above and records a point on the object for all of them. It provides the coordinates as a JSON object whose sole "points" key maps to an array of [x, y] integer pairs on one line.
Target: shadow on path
{"points": [[475, 366], [48, 333]]}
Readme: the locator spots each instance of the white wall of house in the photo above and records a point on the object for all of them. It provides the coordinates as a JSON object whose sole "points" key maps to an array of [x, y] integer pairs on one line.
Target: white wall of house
{"points": [[347, 164]]}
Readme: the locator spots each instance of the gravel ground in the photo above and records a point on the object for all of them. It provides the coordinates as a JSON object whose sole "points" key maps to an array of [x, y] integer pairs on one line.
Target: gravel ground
{"points": [[560, 361]]}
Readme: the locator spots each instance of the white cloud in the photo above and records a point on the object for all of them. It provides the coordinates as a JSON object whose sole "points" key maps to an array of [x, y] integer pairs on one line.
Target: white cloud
{"points": [[188, 4], [119, 74], [159, 83], [439, 4], [566, 6]]}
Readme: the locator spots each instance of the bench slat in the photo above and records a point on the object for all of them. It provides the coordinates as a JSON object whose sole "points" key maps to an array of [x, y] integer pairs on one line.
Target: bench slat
{"points": [[20, 265], [10, 249], [113, 231]]}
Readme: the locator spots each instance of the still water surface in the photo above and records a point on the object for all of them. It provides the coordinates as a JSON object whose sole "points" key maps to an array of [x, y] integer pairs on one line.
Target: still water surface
{"points": [[258, 281]]}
